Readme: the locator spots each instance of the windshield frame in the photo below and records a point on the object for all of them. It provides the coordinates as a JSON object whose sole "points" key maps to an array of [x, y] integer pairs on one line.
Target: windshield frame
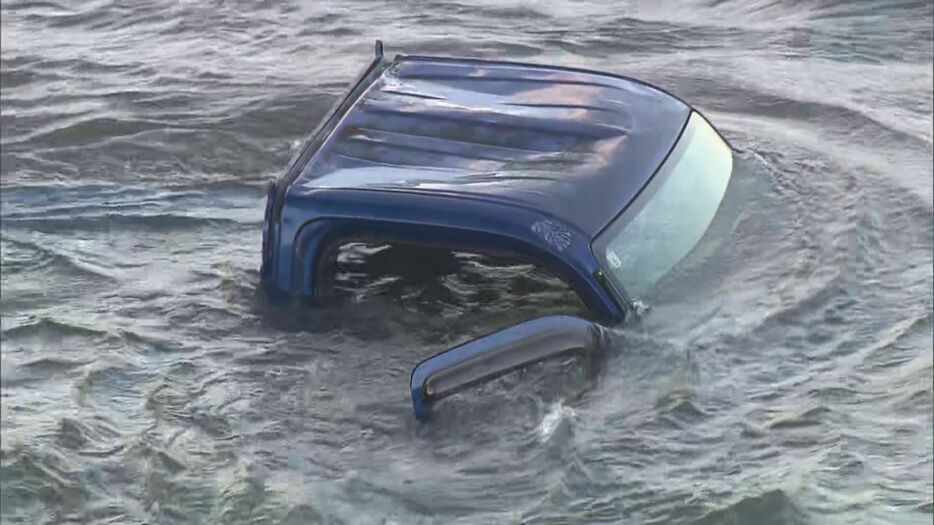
{"points": [[602, 239]]}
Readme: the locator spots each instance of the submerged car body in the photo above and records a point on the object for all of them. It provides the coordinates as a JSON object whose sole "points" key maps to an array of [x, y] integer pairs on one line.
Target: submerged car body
{"points": [[555, 165]]}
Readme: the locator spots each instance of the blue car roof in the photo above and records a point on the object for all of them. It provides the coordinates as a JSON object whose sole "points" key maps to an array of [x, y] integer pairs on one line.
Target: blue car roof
{"points": [[571, 144]]}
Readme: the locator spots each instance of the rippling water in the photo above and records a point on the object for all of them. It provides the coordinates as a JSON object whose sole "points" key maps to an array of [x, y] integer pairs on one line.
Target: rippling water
{"points": [[783, 376]]}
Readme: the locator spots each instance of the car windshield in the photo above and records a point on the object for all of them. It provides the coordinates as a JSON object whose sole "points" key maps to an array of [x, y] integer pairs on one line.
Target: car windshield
{"points": [[645, 242]]}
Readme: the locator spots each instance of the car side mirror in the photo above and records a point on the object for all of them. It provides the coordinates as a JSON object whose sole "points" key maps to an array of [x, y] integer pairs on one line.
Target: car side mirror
{"points": [[499, 353]]}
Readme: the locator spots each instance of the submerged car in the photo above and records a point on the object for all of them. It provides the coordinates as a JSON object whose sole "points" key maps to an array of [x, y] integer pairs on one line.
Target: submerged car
{"points": [[605, 180]]}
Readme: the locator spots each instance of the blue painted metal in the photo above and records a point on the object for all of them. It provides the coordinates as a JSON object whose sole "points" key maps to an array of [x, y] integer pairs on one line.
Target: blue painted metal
{"points": [[526, 159], [500, 352]]}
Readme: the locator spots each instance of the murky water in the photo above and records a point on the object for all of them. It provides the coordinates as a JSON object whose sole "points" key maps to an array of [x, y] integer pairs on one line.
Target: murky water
{"points": [[784, 374]]}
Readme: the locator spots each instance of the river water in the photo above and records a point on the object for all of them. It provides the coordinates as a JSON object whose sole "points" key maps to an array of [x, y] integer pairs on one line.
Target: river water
{"points": [[782, 375]]}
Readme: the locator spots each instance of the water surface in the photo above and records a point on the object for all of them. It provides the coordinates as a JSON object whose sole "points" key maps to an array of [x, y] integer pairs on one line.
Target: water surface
{"points": [[782, 375]]}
